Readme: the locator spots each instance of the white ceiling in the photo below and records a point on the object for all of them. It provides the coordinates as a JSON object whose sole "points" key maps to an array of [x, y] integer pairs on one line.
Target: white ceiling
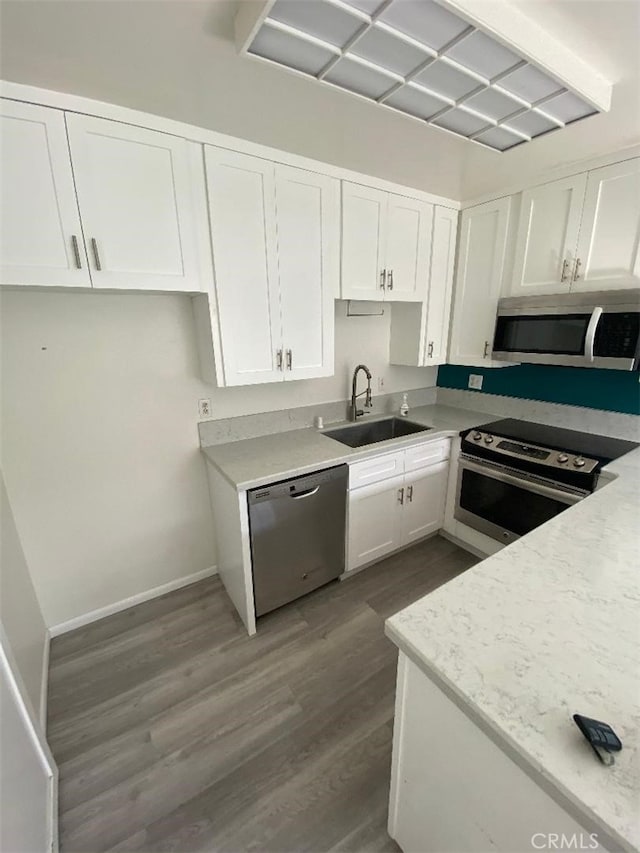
{"points": [[177, 58]]}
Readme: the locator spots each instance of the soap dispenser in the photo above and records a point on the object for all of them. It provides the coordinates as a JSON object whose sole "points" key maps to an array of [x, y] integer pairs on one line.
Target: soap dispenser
{"points": [[404, 408]]}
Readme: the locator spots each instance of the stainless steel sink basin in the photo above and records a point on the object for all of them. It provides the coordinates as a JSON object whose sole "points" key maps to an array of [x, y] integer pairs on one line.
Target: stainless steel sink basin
{"points": [[362, 434]]}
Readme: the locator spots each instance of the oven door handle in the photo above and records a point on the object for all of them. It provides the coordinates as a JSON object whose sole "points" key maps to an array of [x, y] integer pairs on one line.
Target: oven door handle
{"points": [[564, 496], [590, 337]]}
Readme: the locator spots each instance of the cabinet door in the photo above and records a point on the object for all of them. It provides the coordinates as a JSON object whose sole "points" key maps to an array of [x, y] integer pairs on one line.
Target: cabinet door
{"points": [[425, 494], [547, 237], [243, 233], [608, 248], [135, 200], [407, 249], [375, 517], [364, 213], [443, 253], [478, 281], [41, 237], [308, 218]]}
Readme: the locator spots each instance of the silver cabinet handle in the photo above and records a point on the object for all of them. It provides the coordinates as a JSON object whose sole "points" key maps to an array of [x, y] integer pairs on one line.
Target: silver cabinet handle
{"points": [[576, 270], [430, 350], [590, 337], [76, 251], [390, 276], [401, 496], [279, 359], [289, 359], [409, 494], [563, 274], [96, 254], [383, 279], [486, 349]]}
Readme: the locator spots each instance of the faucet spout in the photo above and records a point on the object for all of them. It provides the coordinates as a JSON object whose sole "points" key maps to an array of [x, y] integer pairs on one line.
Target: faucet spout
{"points": [[354, 412]]}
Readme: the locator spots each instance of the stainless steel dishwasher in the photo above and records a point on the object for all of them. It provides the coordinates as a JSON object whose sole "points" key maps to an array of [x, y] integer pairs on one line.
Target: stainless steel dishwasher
{"points": [[297, 530]]}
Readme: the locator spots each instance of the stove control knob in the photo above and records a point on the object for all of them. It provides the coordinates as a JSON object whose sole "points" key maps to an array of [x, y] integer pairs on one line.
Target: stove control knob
{"points": [[477, 436], [578, 462], [562, 457], [488, 439]]}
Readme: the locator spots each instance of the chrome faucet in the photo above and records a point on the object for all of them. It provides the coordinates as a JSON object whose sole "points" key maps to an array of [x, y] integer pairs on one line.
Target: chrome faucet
{"points": [[354, 413]]}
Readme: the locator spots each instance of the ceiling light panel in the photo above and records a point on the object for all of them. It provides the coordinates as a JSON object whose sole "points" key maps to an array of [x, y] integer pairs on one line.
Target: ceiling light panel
{"points": [[420, 59]]}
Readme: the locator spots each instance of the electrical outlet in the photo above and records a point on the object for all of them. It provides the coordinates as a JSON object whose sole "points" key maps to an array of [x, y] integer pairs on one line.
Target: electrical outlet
{"points": [[380, 383], [475, 381], [204, 408]]}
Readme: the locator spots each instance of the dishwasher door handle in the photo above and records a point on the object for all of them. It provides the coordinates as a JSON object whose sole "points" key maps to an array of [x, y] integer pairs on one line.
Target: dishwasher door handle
{"points": [[306, 494]]}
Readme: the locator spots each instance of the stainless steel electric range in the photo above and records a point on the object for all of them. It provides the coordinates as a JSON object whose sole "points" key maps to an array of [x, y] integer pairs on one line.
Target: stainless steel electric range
{"points": [[514, 475]]}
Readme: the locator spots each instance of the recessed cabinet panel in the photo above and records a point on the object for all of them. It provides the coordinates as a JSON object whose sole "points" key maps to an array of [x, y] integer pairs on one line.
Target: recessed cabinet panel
{"points": [[425, 495], [308, 223], [41, 236], [443, 255], [135, 200], [242, 213], [547, 237], [375, 521], [608, 248], [481, 254], [407, 249], [364, 213]]}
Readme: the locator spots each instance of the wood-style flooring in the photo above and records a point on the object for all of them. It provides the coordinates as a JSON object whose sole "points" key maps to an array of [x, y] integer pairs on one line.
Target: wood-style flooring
{"points": [[175, 731]]}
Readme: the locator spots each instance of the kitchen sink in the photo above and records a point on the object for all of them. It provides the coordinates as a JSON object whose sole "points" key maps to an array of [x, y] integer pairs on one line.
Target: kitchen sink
{"points": [[361, 434]]}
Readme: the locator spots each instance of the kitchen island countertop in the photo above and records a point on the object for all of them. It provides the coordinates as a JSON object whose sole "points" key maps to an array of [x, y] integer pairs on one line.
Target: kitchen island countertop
{"points": [[548, 627]]}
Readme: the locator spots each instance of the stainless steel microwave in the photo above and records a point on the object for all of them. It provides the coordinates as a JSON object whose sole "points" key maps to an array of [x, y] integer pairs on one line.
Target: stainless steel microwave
{"points": [[600, 329]]}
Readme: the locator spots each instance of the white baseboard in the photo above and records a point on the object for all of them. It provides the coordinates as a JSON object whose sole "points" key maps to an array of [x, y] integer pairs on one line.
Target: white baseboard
{"points": [[44, 685], [117, 606]]}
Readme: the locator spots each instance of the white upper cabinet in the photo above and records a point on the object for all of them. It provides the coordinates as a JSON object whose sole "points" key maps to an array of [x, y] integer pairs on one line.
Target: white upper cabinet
{"points": [[443, 256], [136, 204], [478, 287], [547, 236], [364, 215], [420, 331], [581, 233], [41, 237], [241, 193], [308, 216], [608, 248], [385, 245], [275, 236], [407, 249]]}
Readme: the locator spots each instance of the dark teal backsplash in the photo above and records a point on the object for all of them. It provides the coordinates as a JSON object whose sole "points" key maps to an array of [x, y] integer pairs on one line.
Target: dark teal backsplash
{"points": [[612, 390]]}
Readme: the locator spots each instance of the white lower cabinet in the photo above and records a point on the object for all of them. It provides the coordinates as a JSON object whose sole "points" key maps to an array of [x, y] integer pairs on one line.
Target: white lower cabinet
{"points": [[375, 521], [400, 503], [425, 493]]}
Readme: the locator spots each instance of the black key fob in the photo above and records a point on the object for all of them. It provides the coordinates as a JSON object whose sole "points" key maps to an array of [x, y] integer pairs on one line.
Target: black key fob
{"points": [[601, 737]]}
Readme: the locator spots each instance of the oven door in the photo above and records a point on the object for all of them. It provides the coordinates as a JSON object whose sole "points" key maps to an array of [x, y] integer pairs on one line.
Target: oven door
{"points": [[504, 503]]}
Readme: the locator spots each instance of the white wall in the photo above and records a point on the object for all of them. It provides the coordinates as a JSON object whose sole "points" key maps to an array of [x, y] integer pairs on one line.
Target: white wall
{"points": [[20, 612], [99, 422]]}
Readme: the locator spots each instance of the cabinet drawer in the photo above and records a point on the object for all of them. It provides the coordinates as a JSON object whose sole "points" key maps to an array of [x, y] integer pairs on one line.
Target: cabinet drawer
{"points": [[376, 469], [426, 454]]}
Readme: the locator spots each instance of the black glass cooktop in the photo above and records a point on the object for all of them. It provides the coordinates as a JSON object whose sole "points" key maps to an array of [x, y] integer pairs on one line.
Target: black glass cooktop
{"points": [[599, 447]]}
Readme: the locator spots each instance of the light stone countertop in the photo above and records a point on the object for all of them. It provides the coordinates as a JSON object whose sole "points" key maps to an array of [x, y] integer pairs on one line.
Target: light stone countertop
{"points": [[548, 627], [257, 461]]}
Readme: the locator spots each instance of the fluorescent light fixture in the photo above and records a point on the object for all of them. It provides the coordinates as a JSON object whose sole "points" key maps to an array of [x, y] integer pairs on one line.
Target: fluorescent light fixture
{"points": [[422, 59]]}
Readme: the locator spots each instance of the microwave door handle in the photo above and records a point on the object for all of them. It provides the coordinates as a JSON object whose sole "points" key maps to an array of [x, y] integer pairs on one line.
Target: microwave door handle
{"points": [[590, 337]]}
